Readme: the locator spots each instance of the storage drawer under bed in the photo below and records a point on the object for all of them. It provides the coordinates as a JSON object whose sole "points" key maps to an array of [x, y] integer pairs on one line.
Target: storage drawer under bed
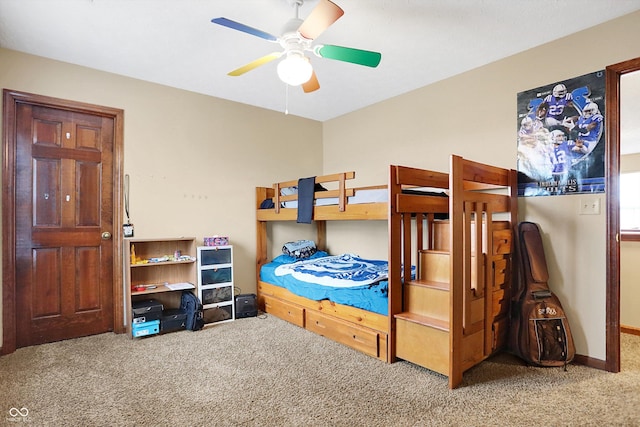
{"points": [[364, 340], [284, 310]]}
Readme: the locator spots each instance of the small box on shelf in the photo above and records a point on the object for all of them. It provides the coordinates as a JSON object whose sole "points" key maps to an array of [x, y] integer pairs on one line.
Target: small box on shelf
{"points": [[173, 320], [146, 310], [146, 328], [216, 241]]}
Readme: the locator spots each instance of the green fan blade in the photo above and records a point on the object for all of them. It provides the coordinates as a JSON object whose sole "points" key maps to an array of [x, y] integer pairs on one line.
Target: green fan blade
{"points": [[347, 54]]}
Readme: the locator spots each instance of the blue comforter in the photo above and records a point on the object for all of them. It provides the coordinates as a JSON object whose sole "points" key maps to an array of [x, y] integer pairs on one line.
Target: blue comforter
{"points": [[344, 279]]}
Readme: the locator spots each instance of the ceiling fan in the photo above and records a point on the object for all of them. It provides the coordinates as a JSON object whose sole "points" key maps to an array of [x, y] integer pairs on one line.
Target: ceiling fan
{"points": [[296, 39]]}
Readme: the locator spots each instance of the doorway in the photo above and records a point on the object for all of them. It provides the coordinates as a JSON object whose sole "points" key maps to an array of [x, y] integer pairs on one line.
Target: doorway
{"points": [[629, 205], [61, 263], [614, 73]]}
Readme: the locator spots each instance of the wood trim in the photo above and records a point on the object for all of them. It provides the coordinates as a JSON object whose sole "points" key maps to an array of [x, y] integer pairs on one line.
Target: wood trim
{"points": [[612, 158], [632, 330], [8, 224], [10, 100], [612, 129], [629, 236], [590, 362]]}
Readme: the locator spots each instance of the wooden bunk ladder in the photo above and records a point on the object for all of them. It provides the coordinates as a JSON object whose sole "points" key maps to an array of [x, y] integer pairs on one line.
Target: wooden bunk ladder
{"points": [[419, 308], [478, 242], [445, 318]]}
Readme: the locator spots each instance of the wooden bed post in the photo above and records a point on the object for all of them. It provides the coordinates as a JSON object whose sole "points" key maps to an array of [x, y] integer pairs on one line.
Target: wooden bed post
{"points": [[321, 233], [395, 255], [261, 236], [456, 268]]}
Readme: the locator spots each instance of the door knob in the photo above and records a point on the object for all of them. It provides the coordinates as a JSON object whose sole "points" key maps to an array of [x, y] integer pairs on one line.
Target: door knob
{"points": [[106, 235]]}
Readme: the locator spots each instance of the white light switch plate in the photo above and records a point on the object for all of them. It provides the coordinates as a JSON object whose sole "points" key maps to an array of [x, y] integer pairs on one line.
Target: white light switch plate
{"points": [[589, 206]]}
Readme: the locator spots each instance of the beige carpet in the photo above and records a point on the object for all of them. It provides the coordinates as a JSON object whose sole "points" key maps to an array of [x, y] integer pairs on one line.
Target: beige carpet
{"points": [[266, 372]]}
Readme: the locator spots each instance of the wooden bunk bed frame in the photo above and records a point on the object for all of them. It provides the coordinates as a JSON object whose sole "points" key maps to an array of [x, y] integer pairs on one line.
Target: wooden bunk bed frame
{"points": [[455, 313]]}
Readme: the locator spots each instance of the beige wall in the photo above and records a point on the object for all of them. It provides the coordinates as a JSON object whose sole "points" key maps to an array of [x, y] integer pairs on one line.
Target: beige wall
{"points": [[629, 266], [474, 115], [630, 284], [183, 150], [194, 161]]}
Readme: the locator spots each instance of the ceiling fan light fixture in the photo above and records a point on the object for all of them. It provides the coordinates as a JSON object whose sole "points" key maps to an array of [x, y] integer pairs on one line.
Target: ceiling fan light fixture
{"points": [[296, 39], [295, 69]]}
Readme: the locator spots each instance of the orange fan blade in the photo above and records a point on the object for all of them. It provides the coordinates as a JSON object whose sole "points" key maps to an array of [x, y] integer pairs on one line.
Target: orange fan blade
{"points": [[311, 84], [321, 17], [255, 64]]}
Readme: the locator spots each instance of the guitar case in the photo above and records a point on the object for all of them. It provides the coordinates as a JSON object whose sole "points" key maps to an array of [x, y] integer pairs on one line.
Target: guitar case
{"points": [[540, 332]]}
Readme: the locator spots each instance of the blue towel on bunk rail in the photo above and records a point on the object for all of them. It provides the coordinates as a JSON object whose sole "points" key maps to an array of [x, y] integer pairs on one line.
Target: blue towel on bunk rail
{"points": [[306, 190]]}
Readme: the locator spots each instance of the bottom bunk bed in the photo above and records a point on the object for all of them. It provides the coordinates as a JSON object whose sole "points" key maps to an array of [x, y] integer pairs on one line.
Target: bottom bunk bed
{"points": [[451, 312], [321, 294]]}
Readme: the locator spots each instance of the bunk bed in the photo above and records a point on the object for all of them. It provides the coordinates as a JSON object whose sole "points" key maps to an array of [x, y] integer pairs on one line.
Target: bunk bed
{"points": [[452, 311]]}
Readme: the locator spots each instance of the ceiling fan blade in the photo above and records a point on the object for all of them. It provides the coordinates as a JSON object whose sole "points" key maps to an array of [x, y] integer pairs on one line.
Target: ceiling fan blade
{"points": [[244, 28], [348, 54], [312, 84], [255, 64], [320, 18]]}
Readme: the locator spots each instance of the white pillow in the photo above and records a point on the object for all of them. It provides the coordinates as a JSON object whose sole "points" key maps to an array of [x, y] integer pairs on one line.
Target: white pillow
{"points": [[288, 191]]}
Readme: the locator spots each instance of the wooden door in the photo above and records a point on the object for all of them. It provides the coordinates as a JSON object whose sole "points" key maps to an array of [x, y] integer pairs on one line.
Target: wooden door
{"points": [[64, 225]]}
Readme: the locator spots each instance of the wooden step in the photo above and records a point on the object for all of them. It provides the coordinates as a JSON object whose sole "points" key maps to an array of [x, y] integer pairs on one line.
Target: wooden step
{"points": [[442, 286], [425, 342], [501, 235], [427, 298], [434, 266], [427, 346], [422, 320]]}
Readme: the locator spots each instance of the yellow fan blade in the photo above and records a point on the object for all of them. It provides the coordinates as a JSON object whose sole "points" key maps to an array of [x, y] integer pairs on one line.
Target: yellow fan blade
{"points": [[255, 64]]}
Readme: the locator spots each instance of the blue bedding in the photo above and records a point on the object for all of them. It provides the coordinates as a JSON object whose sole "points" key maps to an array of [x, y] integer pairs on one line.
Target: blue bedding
{"points": [[344, 279]]}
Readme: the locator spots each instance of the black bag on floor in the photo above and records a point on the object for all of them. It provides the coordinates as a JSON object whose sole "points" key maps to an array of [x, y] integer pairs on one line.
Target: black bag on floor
{"points": [[193, 308], [540, 332]]}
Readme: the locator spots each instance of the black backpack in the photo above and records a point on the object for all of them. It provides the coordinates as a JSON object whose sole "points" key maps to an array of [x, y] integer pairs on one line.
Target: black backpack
{"points": [[192, 306]]}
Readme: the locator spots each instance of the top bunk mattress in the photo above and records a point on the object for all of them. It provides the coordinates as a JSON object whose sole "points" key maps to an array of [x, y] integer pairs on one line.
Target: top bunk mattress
{"points": [[367, 195], [375, 195]]}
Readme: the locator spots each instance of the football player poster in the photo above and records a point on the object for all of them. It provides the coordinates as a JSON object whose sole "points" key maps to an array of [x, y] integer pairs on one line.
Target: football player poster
{"points": [[560, 137]]}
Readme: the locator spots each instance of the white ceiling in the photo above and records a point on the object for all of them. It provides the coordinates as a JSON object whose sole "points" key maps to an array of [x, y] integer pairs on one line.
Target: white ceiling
{"points": [[173, 42]]}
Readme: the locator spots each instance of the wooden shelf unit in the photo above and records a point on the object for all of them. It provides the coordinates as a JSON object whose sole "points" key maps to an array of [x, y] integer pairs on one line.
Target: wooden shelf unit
{"points": [[157, 273]]}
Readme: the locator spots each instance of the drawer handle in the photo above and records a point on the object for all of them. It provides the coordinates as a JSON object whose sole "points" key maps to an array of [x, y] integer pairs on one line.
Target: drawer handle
{"points": [[359, 340]]}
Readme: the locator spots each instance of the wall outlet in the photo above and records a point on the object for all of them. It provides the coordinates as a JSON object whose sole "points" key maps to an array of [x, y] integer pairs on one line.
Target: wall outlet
{"points": [[589, 206]]}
